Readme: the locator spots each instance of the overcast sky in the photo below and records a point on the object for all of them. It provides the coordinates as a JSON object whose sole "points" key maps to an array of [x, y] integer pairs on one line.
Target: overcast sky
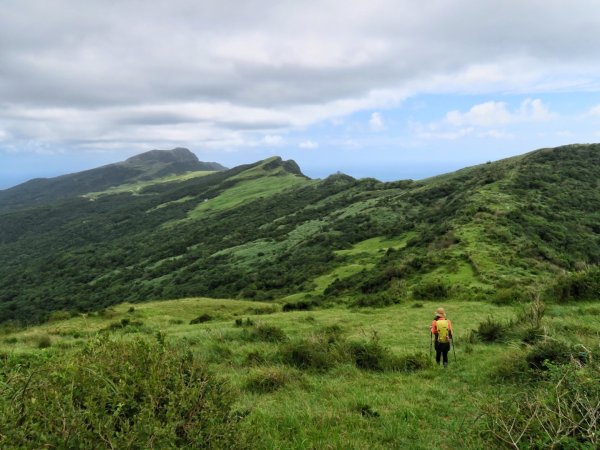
{"points": [[389, 89]]}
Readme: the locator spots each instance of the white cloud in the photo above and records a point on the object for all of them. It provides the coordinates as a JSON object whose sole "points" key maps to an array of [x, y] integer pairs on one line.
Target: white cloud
{"points": [[272, 139], [484, 114], [92, 74], [594, 111], [376, 122], [492, 114], [308, 144], [534, 110], [496, 134]]}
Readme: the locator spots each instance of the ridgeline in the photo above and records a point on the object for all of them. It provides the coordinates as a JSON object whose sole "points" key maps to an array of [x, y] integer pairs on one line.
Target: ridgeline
{"points": [[163, 225]]}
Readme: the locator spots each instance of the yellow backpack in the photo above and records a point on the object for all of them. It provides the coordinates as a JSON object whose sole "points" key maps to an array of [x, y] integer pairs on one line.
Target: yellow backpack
{"points": [[442, 330]]}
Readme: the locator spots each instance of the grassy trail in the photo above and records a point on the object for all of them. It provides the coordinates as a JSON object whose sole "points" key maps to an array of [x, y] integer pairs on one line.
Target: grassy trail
{"points": [[344, 407]]}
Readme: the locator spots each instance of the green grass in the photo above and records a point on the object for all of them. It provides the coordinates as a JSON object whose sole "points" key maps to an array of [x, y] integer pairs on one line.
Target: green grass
{"points": [[246, 190], [305, 409], [136, 188]]}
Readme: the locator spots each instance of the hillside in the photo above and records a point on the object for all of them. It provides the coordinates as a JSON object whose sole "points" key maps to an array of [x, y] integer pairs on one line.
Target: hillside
{"points": [[266, 232], [144, 167], [333, 378]]}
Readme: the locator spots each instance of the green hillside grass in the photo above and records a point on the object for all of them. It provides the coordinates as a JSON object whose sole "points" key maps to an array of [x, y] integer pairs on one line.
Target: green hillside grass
{"points": [[345, 406], [137, 187], [248, 189]]}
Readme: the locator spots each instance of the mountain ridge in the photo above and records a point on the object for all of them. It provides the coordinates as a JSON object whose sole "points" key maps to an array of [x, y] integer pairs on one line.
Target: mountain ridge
{"points": [[143, 167], [264, 231]]}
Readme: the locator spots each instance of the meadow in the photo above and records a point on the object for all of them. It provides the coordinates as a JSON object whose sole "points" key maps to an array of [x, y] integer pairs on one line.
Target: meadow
{"points": [[339, 378]]}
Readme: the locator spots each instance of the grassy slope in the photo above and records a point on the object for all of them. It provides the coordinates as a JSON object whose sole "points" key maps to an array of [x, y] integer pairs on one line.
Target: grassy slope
{"points": [[136, 188], [322, 410]]}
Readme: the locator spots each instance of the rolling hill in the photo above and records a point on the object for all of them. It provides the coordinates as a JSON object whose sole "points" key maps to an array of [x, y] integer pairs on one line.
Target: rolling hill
{"points": [[264, 231]]}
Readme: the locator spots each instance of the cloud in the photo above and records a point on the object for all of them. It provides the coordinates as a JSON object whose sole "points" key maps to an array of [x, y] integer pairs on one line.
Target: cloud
{"points": [[85, 72], [273, 140], [491, 114], [376, 122], [484, 114], [308, 144], [594, 111]]}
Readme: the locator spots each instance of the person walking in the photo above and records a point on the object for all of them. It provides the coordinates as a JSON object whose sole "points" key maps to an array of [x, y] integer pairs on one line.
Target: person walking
{"points": [[441, 328]]}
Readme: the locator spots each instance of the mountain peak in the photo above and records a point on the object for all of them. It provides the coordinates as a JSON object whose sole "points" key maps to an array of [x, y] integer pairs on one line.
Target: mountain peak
{"points": [[177, 155]]}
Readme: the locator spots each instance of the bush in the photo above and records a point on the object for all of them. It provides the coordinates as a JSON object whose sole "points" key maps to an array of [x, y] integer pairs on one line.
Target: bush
{"points": [[555, 352], [377, 300], [44, 341], [508, 296], [244, 323], [135, 394], [267, 333], [430, 290], [413, 362], [371, 355], [302, 305], [561, 411], [490, 330], [123, 324], [576, 286], [313, 354], [266, 380], [201, 319]]}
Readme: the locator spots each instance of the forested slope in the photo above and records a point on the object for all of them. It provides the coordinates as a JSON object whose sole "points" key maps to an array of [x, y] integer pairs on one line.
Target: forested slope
{"points": [[265, 231]]}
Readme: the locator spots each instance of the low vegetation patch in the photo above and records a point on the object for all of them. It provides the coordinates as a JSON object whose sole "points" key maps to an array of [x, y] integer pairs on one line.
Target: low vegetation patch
{"points": [[115, 394], [201, 319], [561, 411]]}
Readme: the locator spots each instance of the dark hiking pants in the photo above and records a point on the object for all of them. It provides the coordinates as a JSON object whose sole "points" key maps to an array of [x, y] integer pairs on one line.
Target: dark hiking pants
{"points": [[441, 351]]}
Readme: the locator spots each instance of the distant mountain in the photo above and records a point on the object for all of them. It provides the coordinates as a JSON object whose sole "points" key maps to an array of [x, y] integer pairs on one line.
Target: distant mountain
{"points": [[144, 167], [264, 231]]}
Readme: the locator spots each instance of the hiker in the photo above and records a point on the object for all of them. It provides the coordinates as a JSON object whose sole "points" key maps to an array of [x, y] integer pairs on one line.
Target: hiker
{"points": [[441, 328]]}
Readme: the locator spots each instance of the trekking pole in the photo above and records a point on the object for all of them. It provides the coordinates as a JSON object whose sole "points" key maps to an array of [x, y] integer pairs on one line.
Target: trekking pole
{"points": [[430, 343], [453, 349]]}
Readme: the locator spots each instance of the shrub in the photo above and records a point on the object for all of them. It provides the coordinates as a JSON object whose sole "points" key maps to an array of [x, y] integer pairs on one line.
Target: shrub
{"points": [[377, 300], [531, 335], [314, 354], [123, 324], [490, 330], [244, 323], [555, 352], [430, 290], [413, 362], [44, 341], [201, 319], [370, 355], [266, 380], [561, 411], [508, 296], [366, 410], [302, 305], [583, 285], [135, 394], [267, 333]]}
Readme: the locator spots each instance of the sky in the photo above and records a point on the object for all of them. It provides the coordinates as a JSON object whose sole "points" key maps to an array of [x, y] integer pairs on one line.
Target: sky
{"points": [[390, 89]]}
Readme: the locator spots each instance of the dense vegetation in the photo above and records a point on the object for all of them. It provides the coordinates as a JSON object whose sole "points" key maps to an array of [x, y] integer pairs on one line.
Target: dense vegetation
{"points": [[205, 373], [265, 232]]}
